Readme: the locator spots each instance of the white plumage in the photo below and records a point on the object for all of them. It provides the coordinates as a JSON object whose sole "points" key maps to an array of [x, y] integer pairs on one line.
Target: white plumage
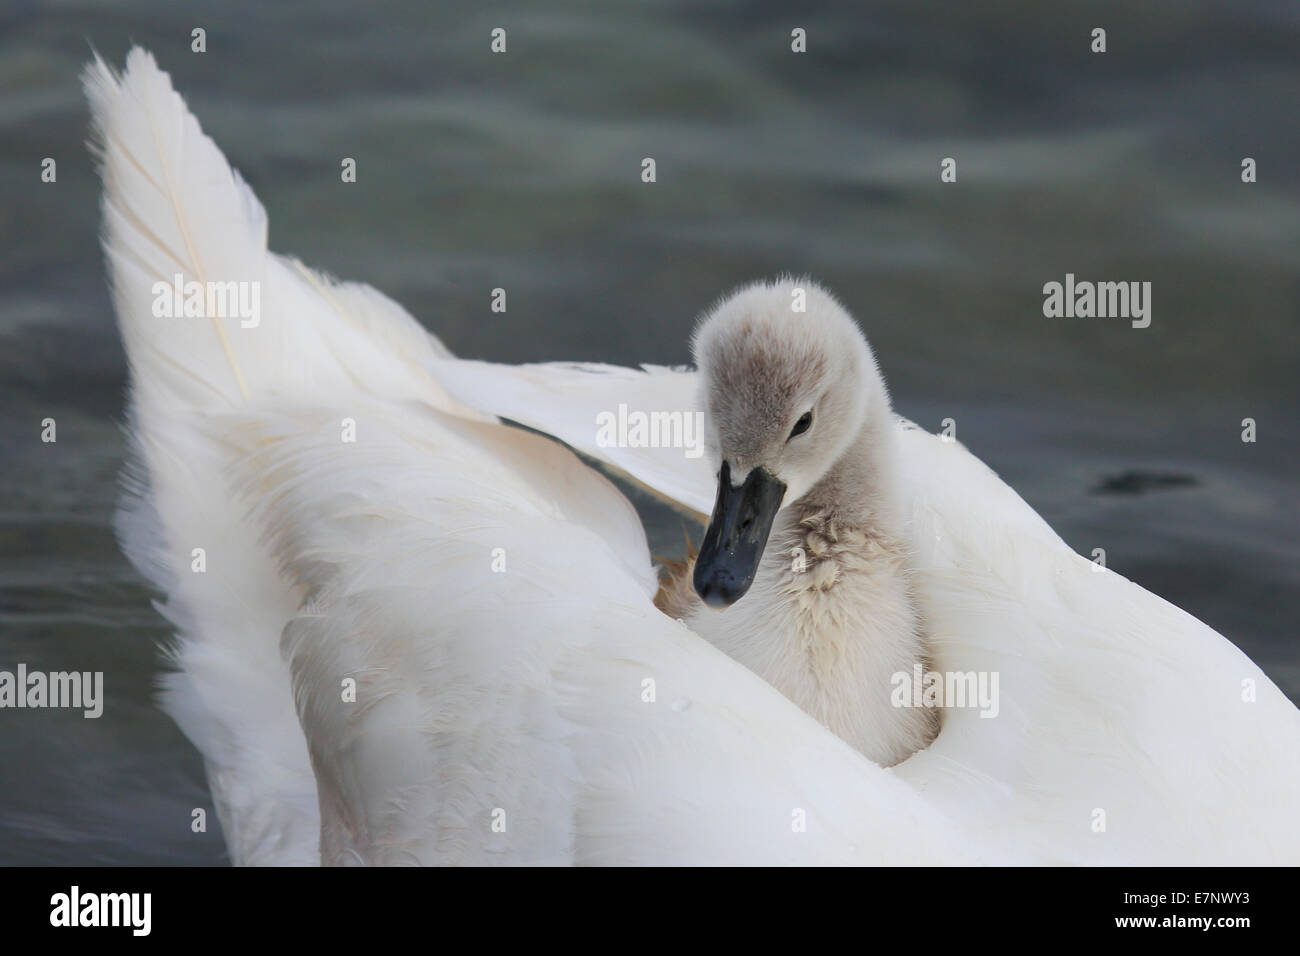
{"points": [[491, 596]]}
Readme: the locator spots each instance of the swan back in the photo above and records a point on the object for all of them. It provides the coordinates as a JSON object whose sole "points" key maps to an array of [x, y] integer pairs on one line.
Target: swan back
{"points": [[1127, 731]]}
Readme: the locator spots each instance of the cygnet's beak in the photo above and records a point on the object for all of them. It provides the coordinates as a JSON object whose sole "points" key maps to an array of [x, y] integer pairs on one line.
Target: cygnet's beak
{"points": [[737, 534]]}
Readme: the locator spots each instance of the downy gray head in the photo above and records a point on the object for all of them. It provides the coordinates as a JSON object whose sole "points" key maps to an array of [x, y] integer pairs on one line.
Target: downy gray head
{"points": [[786, 393]]}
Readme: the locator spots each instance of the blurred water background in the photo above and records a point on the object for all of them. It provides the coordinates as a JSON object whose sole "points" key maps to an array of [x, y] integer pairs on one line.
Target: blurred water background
{"points": [[523, 171]]}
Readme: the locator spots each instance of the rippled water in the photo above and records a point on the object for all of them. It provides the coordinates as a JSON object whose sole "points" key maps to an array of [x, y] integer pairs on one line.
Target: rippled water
{"points": [[476, 171]]}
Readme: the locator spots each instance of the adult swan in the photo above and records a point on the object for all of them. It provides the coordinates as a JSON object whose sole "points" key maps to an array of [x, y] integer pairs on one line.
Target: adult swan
{"points": [[406, 632]]}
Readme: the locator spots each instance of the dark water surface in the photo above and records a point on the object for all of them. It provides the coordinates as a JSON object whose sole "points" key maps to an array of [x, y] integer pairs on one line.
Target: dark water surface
{"points": [[522, 171]]}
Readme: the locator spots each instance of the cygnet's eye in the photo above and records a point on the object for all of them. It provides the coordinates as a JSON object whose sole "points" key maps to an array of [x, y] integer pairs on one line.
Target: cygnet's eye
{"points": [[802, 425]]}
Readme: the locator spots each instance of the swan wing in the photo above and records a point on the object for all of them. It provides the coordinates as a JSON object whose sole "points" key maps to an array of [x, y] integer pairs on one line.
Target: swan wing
{"points": [[172, 206], [576, 402], [176, 213]]}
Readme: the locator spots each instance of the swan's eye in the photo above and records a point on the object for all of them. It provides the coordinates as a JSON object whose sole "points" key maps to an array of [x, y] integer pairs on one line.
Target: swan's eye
{"points": [[802, 425]]}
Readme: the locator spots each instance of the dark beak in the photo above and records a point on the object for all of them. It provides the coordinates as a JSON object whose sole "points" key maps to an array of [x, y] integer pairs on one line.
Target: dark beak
{"points": [[733, 544]]}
